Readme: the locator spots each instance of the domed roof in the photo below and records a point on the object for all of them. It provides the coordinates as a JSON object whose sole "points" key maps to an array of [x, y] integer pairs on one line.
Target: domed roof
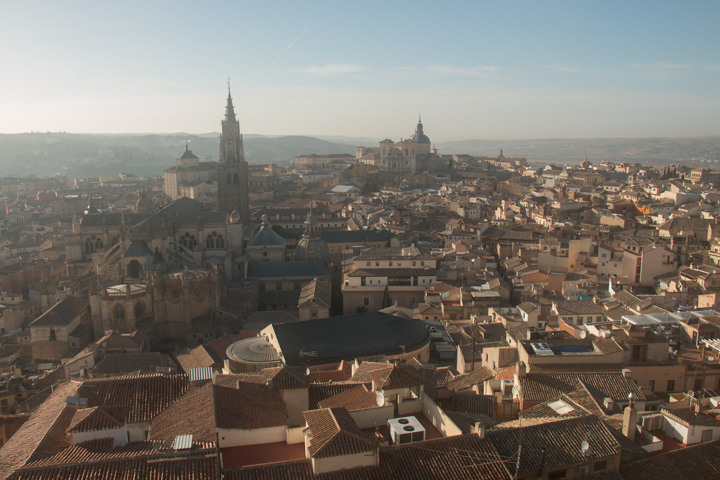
{"points": [[266, 236], [252, 350], [419, 136], [311, 246], [188, 154], [312, 249]]}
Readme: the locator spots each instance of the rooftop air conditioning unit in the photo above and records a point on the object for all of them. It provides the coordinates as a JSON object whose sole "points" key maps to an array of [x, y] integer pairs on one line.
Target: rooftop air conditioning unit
{"points": [[405, 430]]}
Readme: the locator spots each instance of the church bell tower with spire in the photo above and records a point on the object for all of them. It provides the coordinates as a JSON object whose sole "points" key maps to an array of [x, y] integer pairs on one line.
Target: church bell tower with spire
{"points": [[232, 167]]}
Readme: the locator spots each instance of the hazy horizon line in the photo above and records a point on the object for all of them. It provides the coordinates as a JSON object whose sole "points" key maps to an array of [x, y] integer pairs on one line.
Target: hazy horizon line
{"points": [[319, 136]]}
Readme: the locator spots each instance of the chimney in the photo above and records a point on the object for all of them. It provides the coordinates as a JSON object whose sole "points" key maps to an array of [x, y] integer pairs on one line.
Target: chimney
{"points": [[609, 404], [480, 430], [629, 425]]}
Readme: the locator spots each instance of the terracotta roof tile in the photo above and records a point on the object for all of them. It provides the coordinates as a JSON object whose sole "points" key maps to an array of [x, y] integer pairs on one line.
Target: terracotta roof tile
{"points": [[145, 395], [335, 433], [362, 374], [98, 418], [33, 433], [699, 461], [192, 414], [134, 461], [469, 380], [560, 441], [542, 387], [248, 407], [358, 398], [318, 392], [396, 376]]}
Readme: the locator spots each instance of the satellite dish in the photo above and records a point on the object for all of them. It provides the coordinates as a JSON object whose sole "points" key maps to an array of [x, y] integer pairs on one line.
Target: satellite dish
{"points": [[307, 371], [380, 399], [585, 447], [515, 391]]}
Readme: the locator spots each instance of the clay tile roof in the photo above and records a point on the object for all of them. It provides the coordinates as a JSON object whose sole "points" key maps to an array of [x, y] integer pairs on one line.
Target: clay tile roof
{"points": [[134, 461], [145, 395], [285, 377], [53, 415], [470, 402], [192, 414], [699, 461], [396, 376], [469, 380], [335, 433], [542, 387], [249, 407], [358, 398], [362, 374], [320, 391], [98, 418], [560, 441]]}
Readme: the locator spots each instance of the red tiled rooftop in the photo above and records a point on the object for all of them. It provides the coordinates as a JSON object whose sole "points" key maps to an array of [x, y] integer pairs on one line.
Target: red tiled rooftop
{"points": [[261, 454]]}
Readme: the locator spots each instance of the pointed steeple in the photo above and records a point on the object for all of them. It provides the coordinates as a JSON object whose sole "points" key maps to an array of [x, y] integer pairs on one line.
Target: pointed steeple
{"points": [[229, 108]]}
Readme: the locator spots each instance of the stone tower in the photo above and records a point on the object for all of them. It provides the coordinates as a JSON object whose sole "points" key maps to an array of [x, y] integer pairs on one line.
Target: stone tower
{"points": [[232, 167]]}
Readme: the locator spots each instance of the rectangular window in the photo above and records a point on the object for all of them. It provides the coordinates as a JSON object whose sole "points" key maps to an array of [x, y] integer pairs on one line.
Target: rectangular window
{"points": [[411, 393], [366, 301], [602, 465], [652, 385], [278, 286]]}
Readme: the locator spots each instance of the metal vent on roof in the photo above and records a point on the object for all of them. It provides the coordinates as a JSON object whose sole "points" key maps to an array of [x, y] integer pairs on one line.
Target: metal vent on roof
{"points": [[404, 421], [408, 428], [183, 442], [197, 374]]}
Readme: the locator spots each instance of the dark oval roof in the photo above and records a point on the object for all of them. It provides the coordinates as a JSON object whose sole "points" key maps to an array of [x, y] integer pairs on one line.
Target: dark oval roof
{"points": [[348, 337]]}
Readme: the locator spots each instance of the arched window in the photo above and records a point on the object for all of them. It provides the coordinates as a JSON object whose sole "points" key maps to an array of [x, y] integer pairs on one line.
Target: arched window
{"points": [[119, 313], [98, 243], [134, 269], [235, 178], [89, 246], [53, 335], [139, 310], [214, 240], [187, 240], [229, 179], [115, 240]]}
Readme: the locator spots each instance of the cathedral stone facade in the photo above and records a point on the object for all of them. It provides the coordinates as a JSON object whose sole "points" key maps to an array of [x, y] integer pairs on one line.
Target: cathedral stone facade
{"points": [[232, 169], [406, 157]]}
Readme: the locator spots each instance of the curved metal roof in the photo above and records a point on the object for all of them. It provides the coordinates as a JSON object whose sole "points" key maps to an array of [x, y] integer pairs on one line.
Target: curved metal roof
{"points": [[252, 350]]}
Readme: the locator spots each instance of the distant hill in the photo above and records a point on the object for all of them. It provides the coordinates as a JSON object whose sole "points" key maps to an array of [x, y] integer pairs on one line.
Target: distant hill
{"points": [[90, 155], [572, 151]]}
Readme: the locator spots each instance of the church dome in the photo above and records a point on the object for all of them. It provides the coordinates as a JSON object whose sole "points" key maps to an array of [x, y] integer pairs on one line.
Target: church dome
{"points": [[419, 136], [188, 154], [311, 246], [266, 236]]}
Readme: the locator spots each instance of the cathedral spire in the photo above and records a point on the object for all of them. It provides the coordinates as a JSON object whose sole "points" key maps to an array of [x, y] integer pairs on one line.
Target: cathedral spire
{"points": [[229, 108]]}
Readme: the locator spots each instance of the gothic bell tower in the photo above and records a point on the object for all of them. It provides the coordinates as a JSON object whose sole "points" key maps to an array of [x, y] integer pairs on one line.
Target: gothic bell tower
{"points": [[232, 167]]}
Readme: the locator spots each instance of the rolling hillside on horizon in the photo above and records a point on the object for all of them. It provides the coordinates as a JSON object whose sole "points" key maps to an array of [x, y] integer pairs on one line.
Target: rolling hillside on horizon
{"points": [[87, 155]]}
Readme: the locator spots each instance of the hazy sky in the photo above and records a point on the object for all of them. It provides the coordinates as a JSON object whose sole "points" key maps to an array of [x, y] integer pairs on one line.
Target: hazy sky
{"points": [[475, 69]]}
